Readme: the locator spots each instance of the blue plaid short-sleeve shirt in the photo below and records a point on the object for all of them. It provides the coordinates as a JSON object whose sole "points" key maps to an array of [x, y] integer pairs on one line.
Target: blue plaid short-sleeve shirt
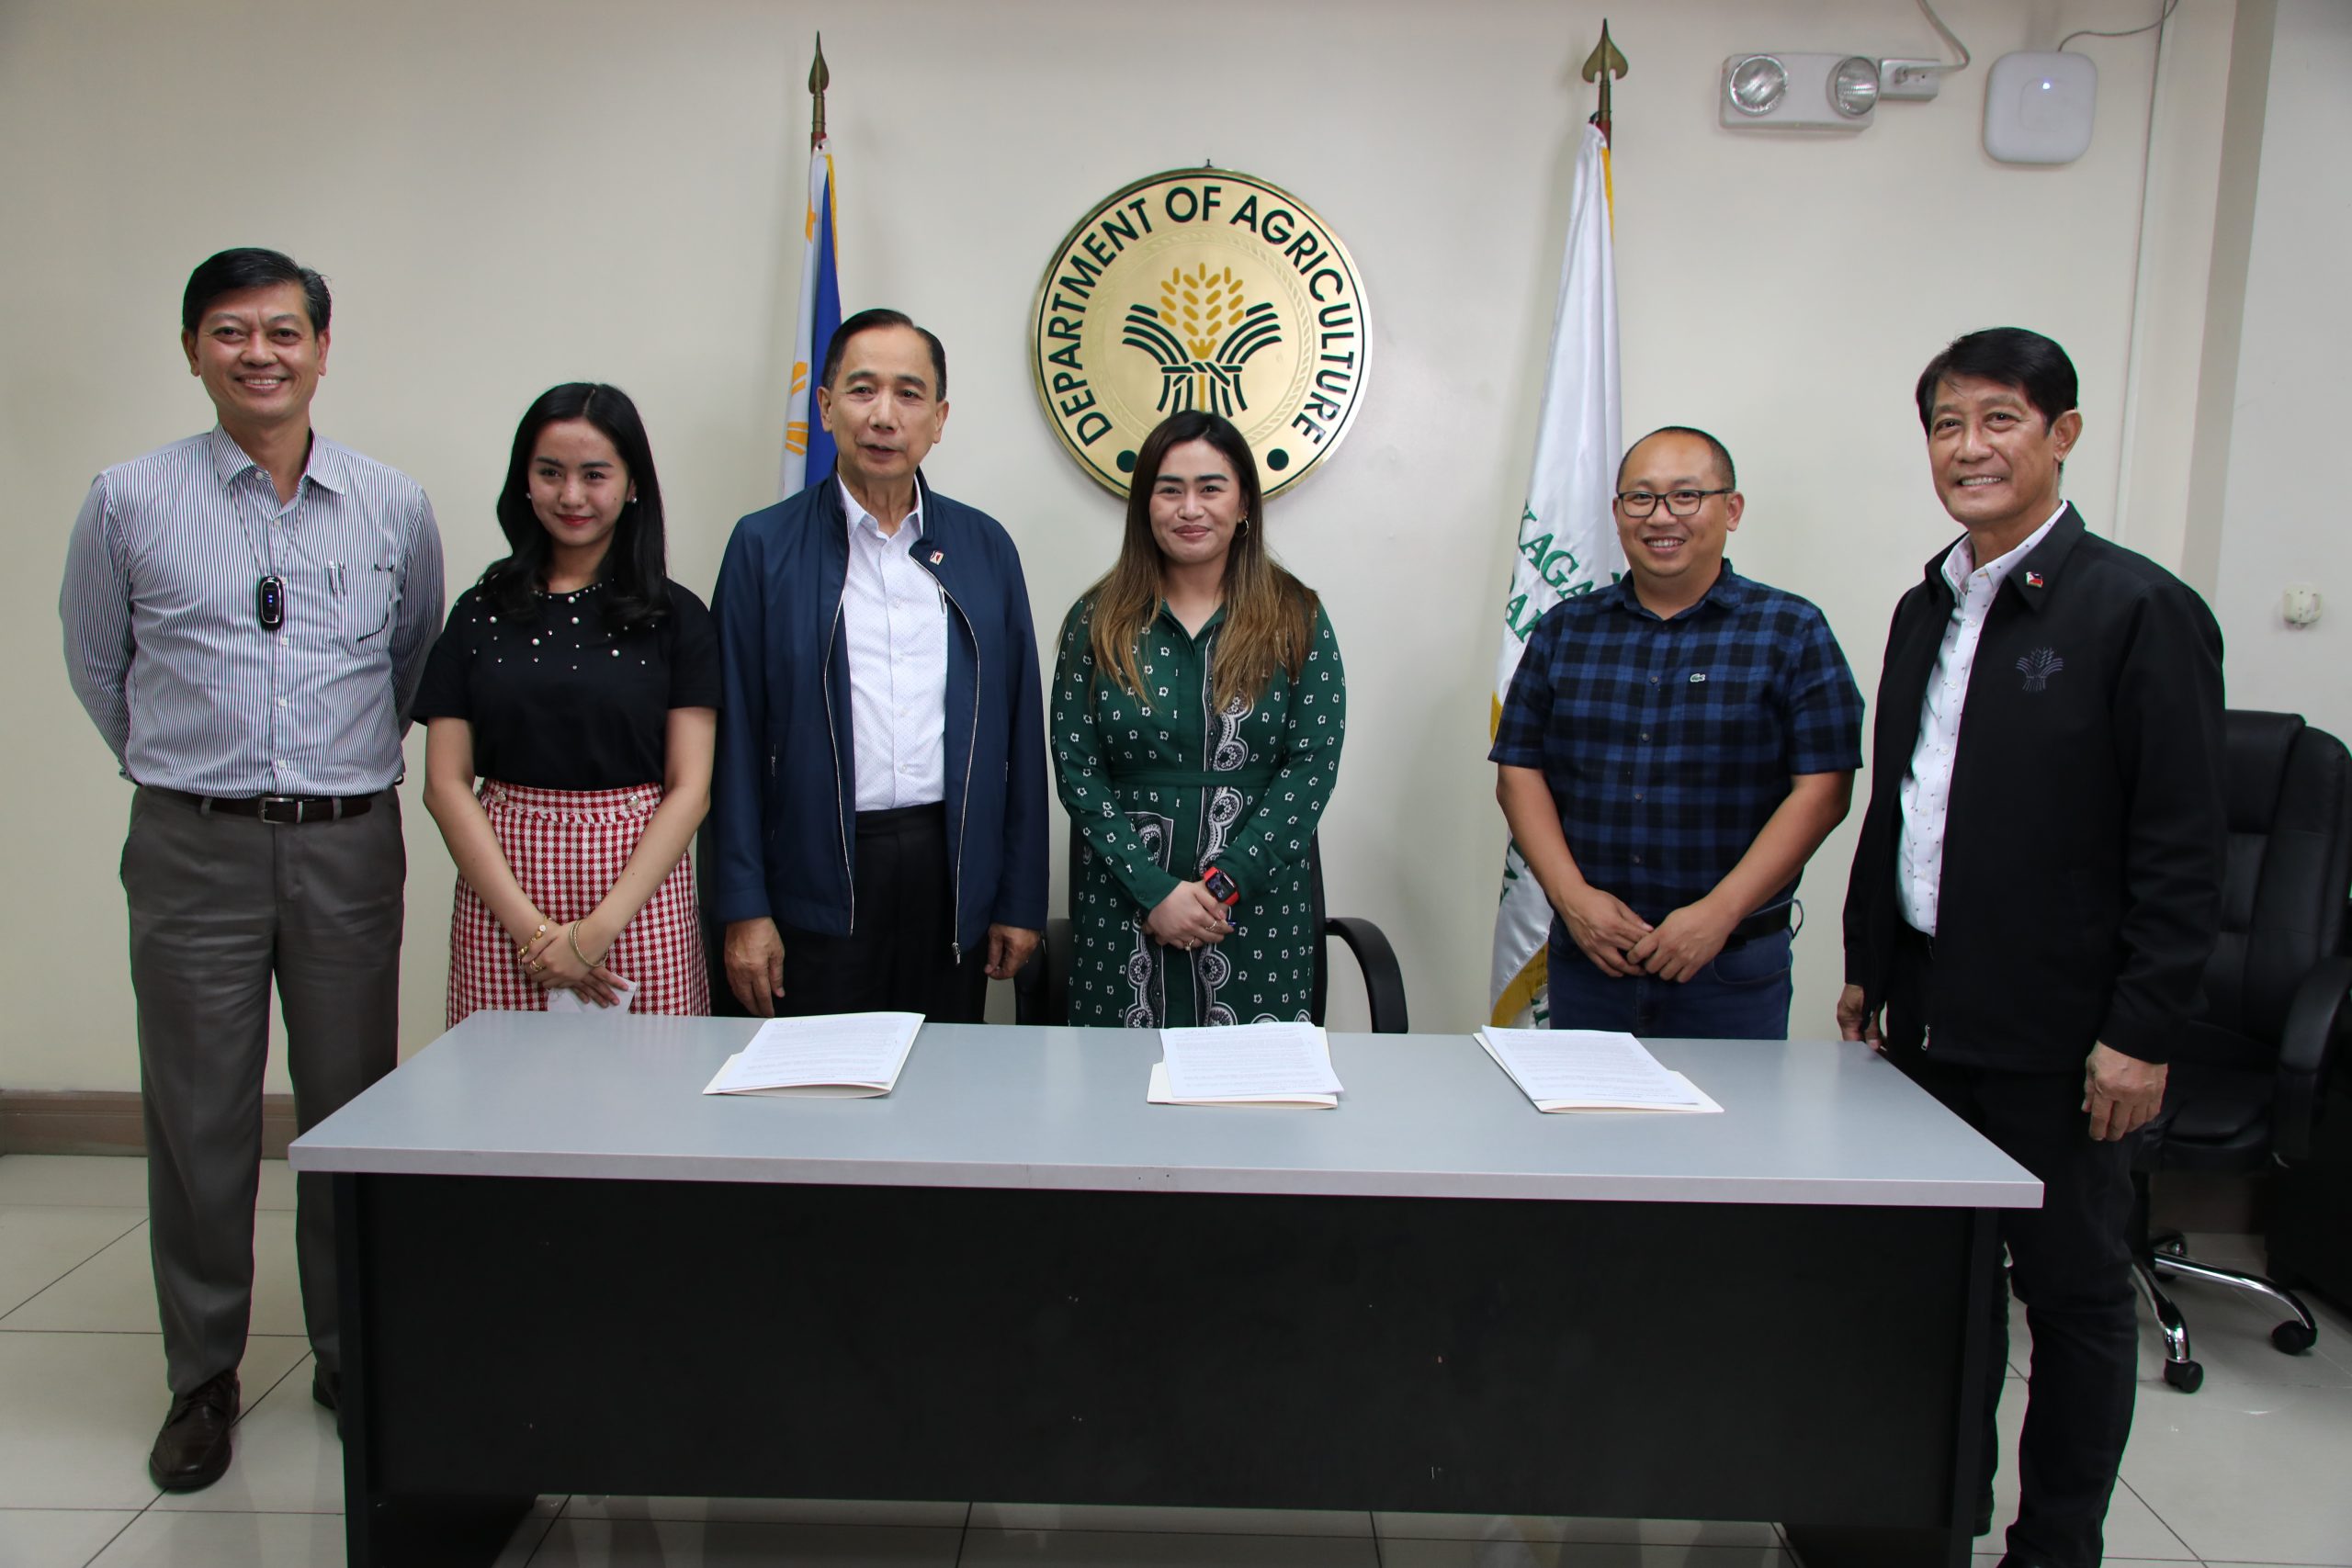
{"points": [[1668, 744]]}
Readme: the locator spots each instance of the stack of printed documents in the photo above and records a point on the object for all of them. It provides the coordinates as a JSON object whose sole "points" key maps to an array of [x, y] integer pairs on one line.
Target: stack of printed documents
{"points": [[1587, 1069], [842, 1055], [1249, 1064]]}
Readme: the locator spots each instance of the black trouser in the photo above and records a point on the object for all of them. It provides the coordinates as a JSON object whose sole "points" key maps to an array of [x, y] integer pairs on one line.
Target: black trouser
{"points": [[2071, 1265], [901, 955]]}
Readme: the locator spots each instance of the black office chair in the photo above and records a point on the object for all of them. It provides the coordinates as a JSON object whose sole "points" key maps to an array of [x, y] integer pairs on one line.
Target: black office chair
{"points": [[2246, 1077], [2310, 1207], [1041, 990]]}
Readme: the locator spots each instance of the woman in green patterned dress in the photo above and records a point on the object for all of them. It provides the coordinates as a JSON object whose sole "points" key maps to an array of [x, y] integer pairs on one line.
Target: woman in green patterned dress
{"points": [[1198, 711]]}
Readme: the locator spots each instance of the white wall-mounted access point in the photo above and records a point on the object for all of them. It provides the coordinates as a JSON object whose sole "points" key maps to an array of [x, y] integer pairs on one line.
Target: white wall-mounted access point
{"points": [[2038, 108]]}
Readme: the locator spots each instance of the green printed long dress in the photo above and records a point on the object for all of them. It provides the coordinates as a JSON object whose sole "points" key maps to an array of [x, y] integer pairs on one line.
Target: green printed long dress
{"points": [[1164, 790]]}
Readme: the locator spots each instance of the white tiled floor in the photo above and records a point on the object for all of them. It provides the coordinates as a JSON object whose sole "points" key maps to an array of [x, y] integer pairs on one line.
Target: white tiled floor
{"points": [[2256, 1470]]}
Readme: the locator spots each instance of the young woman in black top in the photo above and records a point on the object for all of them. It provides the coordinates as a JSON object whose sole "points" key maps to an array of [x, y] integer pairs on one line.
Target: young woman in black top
{"points": [[581, 685]]}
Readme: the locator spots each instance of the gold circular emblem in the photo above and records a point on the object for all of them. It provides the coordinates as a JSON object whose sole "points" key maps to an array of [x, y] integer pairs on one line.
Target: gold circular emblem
{"points": [[1201, 288]]}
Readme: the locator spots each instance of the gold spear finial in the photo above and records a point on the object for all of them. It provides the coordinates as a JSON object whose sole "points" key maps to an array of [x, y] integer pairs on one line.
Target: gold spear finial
{"points": [[819, 80], [1604, 62]]}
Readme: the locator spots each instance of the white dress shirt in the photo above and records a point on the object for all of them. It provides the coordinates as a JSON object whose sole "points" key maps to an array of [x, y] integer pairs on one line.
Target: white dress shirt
{"points": [[1927, 787], [895, 618]]}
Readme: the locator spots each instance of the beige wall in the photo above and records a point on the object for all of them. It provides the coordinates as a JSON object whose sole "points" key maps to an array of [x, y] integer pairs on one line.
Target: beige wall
{"points": [[2284, 521], [513, 194]]}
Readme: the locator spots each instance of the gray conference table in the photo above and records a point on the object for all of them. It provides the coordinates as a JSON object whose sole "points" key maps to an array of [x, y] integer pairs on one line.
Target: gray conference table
{"points": [[565, 1269]]}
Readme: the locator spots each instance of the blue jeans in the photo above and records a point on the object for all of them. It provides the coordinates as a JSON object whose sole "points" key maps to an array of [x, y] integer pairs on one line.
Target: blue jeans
{"points": [[1742, 994]]}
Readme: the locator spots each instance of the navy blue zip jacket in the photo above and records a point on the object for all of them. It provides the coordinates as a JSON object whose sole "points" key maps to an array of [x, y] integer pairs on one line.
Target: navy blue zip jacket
{"points": [[783, 791]]}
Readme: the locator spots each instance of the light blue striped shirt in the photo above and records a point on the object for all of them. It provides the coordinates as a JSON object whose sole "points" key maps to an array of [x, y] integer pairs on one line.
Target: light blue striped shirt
{"points": [[165, 648]]}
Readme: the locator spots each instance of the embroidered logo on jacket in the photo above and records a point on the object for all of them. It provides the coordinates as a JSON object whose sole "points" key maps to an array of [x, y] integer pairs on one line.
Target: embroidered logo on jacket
{"points": [[2039, 666]]}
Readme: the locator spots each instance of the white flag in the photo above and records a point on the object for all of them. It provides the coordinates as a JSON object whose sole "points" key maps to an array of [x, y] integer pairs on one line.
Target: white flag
{"points": [[1567, 539]]}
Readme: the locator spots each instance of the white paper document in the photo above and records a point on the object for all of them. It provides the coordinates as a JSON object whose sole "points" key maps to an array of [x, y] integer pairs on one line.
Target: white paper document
{"points": [[1590, 1069], [842, 1055], [1248, 1064], [1160, 1094], [572, 1001]]}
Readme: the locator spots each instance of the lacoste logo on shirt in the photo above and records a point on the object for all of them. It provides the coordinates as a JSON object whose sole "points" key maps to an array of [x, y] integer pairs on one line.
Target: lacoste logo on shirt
{"points": [[1698, 677], [2039, 666]]}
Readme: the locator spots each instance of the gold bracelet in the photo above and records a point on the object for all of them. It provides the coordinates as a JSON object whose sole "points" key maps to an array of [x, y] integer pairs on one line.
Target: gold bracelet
{"points": [[572, 932], [522, 948]]}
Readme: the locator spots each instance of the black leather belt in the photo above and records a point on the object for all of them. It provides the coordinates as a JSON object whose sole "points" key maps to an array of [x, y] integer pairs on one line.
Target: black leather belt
{"points": [[1764, 922], [890, 819], [286, 810]]}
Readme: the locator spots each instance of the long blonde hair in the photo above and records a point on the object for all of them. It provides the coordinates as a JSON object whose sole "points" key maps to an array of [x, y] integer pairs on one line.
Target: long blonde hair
{"points": [[1269, 614]]}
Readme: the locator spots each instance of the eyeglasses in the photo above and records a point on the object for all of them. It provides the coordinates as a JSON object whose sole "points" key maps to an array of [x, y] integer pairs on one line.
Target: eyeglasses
{"points": [[1679, 502]]}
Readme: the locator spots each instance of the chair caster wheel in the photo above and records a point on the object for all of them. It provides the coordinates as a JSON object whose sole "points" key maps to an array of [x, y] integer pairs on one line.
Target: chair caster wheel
{"points": [[2292, 1337], [2186, 1376]]}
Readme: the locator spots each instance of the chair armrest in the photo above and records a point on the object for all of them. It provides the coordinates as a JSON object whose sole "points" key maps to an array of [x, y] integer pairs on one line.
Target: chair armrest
{"points": [[2314, 1018], [1041, 986], [1383, 982]]}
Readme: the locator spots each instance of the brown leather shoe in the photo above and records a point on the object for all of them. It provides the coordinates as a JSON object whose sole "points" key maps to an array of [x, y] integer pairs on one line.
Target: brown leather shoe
{"points": [[192, 1450]]}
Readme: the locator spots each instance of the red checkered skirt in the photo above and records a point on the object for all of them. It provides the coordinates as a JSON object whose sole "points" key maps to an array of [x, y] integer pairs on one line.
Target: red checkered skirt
{"points": [[567, 848]]}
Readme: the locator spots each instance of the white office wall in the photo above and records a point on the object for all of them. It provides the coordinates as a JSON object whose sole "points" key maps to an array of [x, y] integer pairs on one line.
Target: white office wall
{"points": [[2284, 521], [510, 194]]}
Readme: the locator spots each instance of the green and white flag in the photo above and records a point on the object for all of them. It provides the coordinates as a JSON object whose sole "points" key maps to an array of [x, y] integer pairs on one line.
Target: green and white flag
{"points": [[1568, 540]]}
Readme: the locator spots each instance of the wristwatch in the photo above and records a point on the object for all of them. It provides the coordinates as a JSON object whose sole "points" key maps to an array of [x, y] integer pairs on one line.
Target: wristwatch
{"points": [[1222, 889]]}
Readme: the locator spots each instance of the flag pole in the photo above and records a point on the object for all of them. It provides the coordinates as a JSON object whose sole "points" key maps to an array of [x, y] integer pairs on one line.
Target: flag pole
{"points": [[819, 78], [807, 448], [1604, 62]]}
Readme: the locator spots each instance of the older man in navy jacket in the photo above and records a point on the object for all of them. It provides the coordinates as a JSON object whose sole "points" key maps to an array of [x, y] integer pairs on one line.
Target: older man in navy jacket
{"points": [[2036, 891], [880, 796]]}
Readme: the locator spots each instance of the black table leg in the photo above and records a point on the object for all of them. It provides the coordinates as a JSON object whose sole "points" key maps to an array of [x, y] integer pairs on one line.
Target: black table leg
{"points": [[431, 1533], [1835, 1546], [383, 1530]]}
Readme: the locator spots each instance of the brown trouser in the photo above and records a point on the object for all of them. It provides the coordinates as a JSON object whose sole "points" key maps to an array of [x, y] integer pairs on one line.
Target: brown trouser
{"points": [[219, 906]]}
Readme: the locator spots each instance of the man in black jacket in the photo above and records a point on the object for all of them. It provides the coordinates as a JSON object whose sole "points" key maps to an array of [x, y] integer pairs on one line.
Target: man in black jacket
{"points": [[2035, 894]]}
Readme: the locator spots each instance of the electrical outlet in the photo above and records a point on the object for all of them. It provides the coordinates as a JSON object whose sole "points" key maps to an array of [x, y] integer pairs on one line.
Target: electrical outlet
{"points": [[1914, 79]]}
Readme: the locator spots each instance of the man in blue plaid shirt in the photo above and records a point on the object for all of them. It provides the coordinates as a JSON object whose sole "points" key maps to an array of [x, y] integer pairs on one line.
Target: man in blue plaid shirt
{"points": [[1673, 750]]}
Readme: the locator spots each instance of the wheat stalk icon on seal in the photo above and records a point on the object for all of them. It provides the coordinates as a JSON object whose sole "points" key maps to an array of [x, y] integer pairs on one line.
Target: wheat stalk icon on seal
{"points": [[1202, 332]]}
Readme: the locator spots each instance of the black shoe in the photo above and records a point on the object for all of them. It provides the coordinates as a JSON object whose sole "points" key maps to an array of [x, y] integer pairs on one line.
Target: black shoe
{"points": [[192, 1450], [1985, 1516], [326, 1388]]}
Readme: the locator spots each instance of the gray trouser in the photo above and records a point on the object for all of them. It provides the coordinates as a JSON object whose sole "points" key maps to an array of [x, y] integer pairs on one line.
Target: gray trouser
{"points": [[219, 906]]}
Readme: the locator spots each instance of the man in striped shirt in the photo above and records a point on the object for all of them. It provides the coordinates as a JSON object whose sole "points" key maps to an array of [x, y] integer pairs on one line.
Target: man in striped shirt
{"points": [[246, 619]]}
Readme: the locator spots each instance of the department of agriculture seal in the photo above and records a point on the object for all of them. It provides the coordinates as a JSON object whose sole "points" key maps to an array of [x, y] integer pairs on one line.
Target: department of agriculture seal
{"points": [[1201, 288]]}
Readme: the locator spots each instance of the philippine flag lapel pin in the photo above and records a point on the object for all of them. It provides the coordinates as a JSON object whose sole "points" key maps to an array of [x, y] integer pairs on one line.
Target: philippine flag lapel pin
{"points": [[938, 556], [2032, 578]]}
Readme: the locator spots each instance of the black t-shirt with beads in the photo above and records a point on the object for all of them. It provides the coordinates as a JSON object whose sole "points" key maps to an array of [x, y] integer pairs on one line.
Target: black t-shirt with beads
{"points": [[562, 701]]}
